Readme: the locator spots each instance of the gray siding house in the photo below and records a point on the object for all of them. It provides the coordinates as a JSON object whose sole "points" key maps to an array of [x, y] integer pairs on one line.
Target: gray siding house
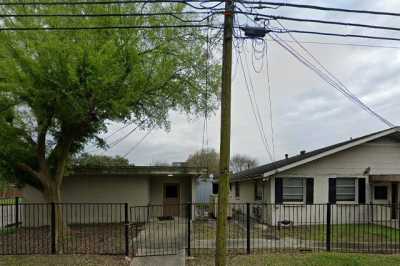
{"points": [[349, 175], [164, 187]]}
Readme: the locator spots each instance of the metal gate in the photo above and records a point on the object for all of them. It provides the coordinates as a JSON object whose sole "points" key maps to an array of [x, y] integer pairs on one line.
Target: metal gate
{"points": [[154, 232]]}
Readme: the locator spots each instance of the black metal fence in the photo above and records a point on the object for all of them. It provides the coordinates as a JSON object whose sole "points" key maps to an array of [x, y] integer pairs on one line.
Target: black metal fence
{"points": [[85, 228], [116, 228]]}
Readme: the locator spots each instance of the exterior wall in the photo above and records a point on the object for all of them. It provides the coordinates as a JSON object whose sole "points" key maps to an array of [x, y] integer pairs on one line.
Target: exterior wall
{"points": [[380, 157], [107, 189], [136, 191]]}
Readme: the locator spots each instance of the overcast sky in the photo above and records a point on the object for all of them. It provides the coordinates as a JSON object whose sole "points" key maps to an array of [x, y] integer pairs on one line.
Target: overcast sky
{"points": [[307, 112]]}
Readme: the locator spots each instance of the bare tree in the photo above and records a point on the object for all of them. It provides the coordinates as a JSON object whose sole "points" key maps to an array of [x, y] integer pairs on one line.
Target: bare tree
{"points": [[240, 162]]}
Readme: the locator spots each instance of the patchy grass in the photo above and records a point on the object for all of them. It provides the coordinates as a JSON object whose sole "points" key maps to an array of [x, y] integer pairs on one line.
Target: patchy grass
{"points": [[9, 201], [311, 259], [355, 233], [36, 260], [207, 229]]}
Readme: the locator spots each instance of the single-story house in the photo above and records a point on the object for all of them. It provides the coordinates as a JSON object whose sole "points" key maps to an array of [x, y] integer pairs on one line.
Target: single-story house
{"points": [[165, 188], [351, 175]]}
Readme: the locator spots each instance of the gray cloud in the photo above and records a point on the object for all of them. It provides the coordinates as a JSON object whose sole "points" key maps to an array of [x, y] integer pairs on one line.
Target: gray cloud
{"points": [[307, 113]]}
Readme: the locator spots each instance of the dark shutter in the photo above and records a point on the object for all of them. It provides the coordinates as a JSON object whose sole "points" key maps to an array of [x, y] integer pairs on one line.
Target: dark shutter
{"points": [[278, 191], [310, 191], [332, 190], [361, 190], [215, 188]]}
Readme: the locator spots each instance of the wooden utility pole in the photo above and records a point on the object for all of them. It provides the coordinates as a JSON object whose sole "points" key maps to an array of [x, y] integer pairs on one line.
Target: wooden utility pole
{"points": [[225, 142]]}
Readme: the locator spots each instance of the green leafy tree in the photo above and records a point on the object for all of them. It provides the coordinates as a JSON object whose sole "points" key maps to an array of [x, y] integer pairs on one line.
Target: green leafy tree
{"points": [[58, 89], [93, 160]]}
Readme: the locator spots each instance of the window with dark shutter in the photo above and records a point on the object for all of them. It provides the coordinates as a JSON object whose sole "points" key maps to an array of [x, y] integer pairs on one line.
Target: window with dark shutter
{"points": [[310, 191], [361, 191], [332, 190], [278, 191]]}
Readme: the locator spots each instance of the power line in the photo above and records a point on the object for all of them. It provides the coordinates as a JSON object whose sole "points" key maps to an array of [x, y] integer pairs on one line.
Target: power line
{"points": [[139, 142], [322, 21], [70, 3], [260, 129], [338, 35], [171, 14], [108, 27], [330, 81], [316, 7], [269, 89], [343, 44]]}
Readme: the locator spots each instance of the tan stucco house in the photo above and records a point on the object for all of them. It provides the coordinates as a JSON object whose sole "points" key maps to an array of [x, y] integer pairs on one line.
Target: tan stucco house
{"points": [[162, 186], [359, 171]]}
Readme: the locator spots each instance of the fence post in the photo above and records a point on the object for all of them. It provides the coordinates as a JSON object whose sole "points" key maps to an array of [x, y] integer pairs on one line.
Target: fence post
{"points": [[189, 215], [53, 228], [16, 212], [328, 227], [248, 227], [126, 230]]}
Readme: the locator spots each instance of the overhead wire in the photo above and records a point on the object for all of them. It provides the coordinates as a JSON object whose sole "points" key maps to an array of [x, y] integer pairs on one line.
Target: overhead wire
{"points": [[139, 142], [338, 34], [143, 27], [341, 44], [330, 81], [102, 2], [269, 90], [318, 7], [95, 15], [254, 111], [348, 24], [331, 75]]}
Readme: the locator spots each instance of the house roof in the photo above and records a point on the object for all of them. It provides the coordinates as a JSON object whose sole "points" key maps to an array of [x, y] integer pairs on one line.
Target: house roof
{"points": [[303, 158], [138, 171]]}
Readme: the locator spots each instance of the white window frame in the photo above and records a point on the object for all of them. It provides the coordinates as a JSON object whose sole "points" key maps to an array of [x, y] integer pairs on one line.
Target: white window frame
{"points": [[303, 195], [355, 189]]}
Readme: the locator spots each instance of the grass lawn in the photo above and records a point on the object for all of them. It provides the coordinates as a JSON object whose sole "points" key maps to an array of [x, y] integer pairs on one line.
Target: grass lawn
{"points": [[352, 233], [361, 233], [310, 259], [63, 260]]}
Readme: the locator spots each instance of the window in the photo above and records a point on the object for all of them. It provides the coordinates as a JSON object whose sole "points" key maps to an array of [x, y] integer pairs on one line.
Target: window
{"points": [[380, 192], [258, 191], [345, 189], [237, 189], [293, 190]]}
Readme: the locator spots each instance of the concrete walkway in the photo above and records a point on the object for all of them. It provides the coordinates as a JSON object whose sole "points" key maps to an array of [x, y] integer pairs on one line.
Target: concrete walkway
{"points": [[170, 260]]}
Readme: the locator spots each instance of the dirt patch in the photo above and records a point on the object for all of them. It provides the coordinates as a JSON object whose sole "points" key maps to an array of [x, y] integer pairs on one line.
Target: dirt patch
{"points": [[65, 260], [82, 239]]}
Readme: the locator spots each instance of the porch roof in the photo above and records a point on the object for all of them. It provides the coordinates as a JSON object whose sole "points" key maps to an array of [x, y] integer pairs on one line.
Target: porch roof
{"points": [[384, 178], [131, 171]]}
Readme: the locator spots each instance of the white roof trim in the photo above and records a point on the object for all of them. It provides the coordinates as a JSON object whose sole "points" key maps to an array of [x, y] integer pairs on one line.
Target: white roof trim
{"points": [[333, 151]]}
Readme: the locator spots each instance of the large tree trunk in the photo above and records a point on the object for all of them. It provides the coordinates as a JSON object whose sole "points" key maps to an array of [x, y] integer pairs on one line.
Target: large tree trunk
{"points": [[53, 195]]}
